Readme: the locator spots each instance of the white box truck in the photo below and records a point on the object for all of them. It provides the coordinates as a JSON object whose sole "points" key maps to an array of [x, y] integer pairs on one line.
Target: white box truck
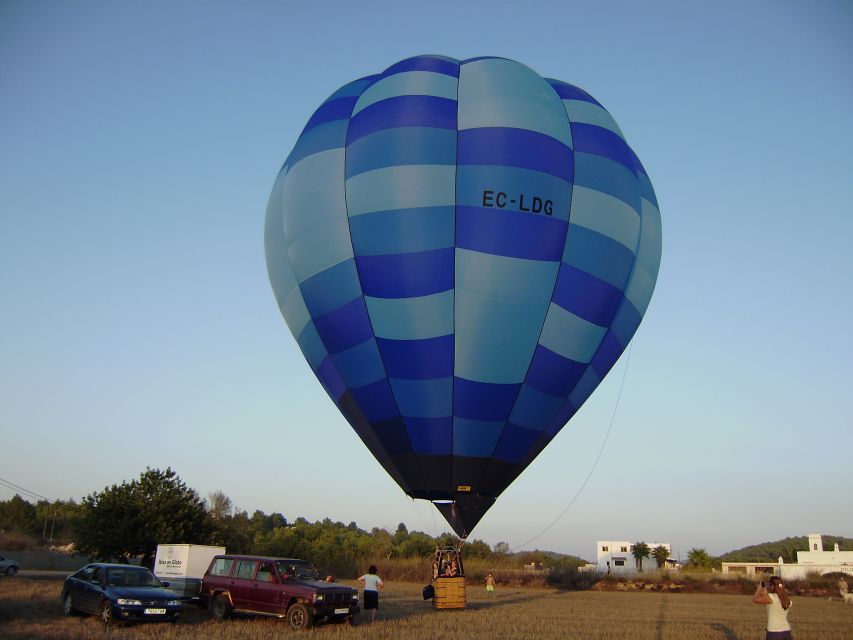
{"points": [[183, 567]]}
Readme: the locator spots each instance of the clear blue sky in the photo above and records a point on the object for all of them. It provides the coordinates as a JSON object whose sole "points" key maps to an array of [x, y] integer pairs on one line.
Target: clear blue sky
{"points": [[138, 145]]}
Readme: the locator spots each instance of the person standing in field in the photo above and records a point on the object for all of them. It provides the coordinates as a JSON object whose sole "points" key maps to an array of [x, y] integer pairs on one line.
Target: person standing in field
{"points": [[490, 584], [842, 588], [778, 603], [372, 583]]}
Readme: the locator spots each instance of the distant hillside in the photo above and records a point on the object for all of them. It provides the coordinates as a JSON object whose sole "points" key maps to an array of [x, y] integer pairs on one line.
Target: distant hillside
{"points": [[786, 548], [566, 558]]}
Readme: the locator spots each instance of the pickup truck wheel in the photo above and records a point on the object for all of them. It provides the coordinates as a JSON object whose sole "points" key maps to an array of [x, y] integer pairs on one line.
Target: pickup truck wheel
{"points": [[298, 616], [220, 608]]}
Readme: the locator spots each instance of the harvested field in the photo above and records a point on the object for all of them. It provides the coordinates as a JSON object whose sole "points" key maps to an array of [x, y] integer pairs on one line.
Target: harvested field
{"points": [[31, 609]]}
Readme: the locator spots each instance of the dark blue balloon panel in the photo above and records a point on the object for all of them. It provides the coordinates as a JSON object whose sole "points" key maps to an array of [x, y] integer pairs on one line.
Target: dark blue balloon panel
{"points": [[463, 250]]}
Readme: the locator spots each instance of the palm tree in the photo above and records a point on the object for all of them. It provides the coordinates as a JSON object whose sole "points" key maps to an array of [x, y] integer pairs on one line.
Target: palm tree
{"points": [[640, 550], [699, 558], [661, 555]]}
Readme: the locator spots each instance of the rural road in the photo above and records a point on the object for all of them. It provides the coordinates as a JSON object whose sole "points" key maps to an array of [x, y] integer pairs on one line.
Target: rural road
{"points": [[43, 575]]}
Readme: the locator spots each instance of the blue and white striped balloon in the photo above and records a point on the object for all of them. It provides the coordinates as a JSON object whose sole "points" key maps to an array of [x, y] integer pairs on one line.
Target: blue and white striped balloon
{"points": [[462, 250]]}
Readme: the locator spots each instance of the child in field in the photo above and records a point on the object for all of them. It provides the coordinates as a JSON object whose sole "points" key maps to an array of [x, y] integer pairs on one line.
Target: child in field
{"points": [[490, 584]]}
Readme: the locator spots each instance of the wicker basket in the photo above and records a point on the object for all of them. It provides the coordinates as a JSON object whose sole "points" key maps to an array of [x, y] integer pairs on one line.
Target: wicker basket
{"points": [[449, 593]]}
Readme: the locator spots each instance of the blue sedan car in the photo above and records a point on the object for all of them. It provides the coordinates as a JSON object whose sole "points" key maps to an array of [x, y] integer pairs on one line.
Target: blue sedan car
{"points": [[119, 592]]}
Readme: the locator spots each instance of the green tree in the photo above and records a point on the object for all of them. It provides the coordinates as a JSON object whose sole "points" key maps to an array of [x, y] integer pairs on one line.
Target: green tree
{"points": [[699, 559], [416, 545], [448, 540], [640, 550], [16, 514], [234, 533], [219, 506], [110, 523], [262, 523], [661, 554], [568, 563], [131, 519], [400, 536], [381, 543], [56, 520], [501, 548], [232, 526], [476, 549], [535, 557], [790, 553]]}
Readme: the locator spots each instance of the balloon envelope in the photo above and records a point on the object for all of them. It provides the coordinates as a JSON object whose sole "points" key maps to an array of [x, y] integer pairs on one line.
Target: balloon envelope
{"points": [[462, 250]]}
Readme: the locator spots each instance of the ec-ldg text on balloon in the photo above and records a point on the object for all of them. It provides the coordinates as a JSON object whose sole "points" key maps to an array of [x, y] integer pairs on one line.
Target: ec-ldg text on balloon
{"points": [[501, 200]]}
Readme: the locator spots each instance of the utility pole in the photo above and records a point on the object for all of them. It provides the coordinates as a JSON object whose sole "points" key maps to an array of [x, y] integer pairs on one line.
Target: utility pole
{"points": [[52, 524]]}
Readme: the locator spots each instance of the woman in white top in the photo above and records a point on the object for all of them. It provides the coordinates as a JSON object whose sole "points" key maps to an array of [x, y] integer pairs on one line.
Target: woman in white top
{"points": [[778, 603], [372, 583]]}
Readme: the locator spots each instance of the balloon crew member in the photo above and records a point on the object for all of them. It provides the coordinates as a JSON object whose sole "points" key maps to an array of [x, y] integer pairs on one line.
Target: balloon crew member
{"points": [[372, 583], [778, 603]]}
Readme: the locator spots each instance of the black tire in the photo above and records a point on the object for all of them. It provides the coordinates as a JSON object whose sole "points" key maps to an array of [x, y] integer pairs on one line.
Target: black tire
{"points": [[299, 617], [107, 612], [10, 571], [220, 608], [68, 605]]}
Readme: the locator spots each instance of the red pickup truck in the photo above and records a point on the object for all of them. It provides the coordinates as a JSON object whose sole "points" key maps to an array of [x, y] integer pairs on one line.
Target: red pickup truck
{"points": [[279, 587]]}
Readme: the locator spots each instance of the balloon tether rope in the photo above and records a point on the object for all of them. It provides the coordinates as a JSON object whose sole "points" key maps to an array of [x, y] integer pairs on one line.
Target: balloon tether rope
{"points": [[597, 458]]}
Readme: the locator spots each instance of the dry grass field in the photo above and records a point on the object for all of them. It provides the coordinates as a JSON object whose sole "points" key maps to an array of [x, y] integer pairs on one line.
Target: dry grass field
{"points": [[31, 609]]}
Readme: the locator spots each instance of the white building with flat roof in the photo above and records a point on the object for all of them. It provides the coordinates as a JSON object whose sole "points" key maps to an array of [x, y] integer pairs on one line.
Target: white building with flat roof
{"points": [[615, 556], [814, 560]]}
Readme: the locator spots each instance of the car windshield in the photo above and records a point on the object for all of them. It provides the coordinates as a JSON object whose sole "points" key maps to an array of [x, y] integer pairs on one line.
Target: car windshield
{"points": [[136, 577], [298, 569]]}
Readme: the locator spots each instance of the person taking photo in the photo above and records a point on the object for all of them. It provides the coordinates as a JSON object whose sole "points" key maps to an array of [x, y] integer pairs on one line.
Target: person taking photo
{"points": [[776, 599]]}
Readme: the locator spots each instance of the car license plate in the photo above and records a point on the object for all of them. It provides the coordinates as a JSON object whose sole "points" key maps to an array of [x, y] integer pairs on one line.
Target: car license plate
{"points": [[337, 611], [155, 612]]}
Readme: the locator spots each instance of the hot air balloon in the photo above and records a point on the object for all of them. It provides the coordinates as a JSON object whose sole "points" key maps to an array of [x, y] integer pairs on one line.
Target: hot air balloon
{"points": [[462, 250]]}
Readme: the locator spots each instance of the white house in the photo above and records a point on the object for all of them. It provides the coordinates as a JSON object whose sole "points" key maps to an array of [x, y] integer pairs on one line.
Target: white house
{"points": [[615, 555], [815, 560]]}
